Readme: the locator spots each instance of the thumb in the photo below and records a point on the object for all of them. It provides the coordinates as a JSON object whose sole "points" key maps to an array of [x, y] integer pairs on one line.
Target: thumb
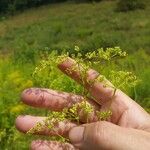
{"points": [[105, 136]]}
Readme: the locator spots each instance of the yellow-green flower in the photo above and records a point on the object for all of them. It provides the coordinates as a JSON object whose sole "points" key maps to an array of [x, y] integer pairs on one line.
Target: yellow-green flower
{"points": [[17, 109]]}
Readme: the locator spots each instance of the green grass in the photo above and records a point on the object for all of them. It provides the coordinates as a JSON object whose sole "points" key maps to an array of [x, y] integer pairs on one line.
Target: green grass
{"points": [[62, 26], [89, 26]]}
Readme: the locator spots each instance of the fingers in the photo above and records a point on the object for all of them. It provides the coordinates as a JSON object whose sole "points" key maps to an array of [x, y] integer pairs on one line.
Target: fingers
{"points": [[25, 123], [51, 145], [57, 101], [104, 135], [98, 89], [51, 99]]}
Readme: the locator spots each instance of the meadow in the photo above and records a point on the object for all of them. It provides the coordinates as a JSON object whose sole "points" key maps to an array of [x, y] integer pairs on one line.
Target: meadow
{"points": [[28, 36]]}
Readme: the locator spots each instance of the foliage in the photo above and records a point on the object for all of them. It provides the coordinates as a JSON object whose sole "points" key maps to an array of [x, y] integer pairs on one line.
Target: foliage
{"points": [[16, 77], [82, 64], [80, 1], [88, 25], [13, 5], [38, 29], [127, 5], [12, 82]]}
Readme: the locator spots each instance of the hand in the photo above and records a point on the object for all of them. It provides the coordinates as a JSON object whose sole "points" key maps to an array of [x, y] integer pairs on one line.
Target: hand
{"points": [[127, 129]]}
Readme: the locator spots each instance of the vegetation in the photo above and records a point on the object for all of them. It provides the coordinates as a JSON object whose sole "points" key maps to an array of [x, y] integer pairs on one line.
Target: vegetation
{"points": [[11, 6], [127, 5], [27, 38], [120, 79], [87, 25]]}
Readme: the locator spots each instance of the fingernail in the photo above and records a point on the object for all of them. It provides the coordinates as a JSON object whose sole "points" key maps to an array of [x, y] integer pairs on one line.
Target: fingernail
{"points": [[76, 135]]}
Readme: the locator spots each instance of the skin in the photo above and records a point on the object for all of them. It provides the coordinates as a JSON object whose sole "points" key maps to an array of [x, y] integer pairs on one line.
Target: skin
{"points": [[127, 129]]}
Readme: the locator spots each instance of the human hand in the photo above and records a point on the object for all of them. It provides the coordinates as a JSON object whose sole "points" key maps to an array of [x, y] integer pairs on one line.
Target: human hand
{"points": [[127, 128]]}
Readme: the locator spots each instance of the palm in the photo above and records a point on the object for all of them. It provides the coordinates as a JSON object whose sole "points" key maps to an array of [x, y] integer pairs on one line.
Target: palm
{"points": [[127, 113]]}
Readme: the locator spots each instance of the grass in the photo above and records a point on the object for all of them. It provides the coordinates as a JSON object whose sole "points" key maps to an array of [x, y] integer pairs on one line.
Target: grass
{"points": [[89, 26], [62, 26]]}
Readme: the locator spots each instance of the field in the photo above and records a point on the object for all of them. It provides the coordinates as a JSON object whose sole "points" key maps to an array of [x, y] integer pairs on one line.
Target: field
{"points": [[26, 36]]}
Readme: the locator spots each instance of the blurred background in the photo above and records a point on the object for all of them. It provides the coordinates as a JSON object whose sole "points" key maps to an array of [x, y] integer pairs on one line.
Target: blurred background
{"points": [[30, 29]]}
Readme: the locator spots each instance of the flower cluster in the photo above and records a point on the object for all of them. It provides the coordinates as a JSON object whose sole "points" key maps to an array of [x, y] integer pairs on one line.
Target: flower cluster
{"points": [[82, 63]]}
